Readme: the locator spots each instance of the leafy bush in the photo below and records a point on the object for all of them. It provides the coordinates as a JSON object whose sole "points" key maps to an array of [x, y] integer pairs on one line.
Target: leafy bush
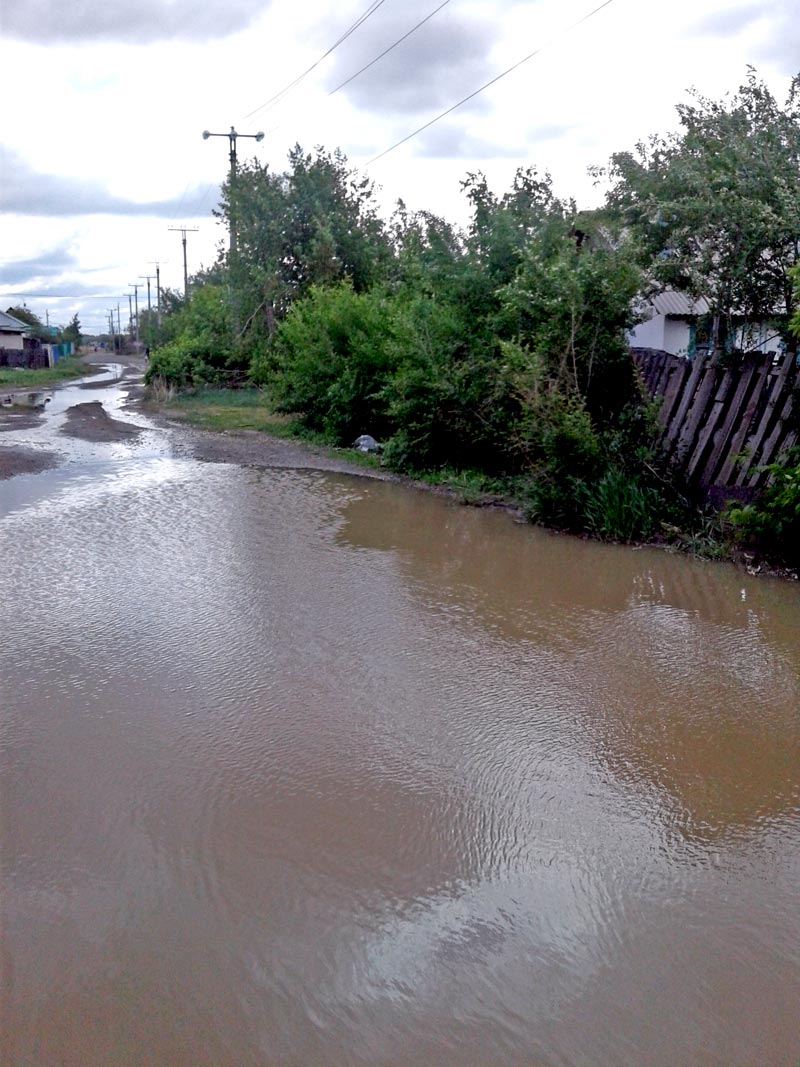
{"points": [[772, 523], [333, 355], [201, 349], [618, 507], [444, 395]]}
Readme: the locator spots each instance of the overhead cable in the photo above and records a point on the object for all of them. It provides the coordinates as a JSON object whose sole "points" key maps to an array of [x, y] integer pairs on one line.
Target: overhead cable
{"points": [[488, 84], [373, 7], [386, 51]]}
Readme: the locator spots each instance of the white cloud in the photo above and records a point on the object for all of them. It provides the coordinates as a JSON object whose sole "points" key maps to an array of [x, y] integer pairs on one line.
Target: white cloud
{"points": [[112, 120], [53, 21]]}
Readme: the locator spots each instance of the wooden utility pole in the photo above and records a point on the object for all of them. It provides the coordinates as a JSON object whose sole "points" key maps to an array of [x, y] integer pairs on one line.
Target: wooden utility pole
{"points": [[149, 278], [135, 286], [183, 230], [158, 295]]}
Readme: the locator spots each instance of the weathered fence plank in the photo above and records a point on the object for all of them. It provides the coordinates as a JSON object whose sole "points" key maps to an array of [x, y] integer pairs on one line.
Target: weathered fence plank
{"points": [[775, 443], [676, 424], [722, 425]]}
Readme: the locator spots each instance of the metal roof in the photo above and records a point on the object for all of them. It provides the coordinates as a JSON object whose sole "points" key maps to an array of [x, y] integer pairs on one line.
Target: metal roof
{"points": [[673, 303], [9, 323]]}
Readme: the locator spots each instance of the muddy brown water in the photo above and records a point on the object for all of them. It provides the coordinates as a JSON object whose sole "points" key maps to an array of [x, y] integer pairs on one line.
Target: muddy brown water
{"points": [[299, 769]]}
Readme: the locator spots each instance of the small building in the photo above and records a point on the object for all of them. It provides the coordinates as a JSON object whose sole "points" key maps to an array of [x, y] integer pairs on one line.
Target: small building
{"points": [[678, 324], [11, 332]]}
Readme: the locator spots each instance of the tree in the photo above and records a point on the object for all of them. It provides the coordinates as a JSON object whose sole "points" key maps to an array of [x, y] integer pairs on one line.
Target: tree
{"points": [[315, 224], [38, 330], [72, 332], [198, 349], [716, 207]]}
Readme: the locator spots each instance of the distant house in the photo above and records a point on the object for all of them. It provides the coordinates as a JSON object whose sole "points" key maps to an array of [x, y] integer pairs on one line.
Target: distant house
{"points": [[678, 324], [11, 332]]}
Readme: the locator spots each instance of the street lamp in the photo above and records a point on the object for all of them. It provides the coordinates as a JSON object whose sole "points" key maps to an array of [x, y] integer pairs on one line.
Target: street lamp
{"points": [[232, 138]]}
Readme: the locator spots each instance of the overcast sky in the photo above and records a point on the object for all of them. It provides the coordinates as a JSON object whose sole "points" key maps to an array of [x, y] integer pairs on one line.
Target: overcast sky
{"points": [[105, 101]]}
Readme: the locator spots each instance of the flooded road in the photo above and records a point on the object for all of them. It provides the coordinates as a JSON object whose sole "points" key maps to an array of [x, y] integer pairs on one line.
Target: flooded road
{"points": [[303, 769]]}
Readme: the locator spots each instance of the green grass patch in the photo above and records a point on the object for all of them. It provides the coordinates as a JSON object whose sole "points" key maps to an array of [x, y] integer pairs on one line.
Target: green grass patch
{"points": [[470, 486], [231, 409], [221, 410], [69, 367]]}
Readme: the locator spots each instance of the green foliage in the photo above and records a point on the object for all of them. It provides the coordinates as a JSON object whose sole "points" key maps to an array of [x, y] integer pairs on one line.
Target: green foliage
{"points": [[332, 357], [772, 523], [794, 324], [443, 395], [72, 332], [200, 348], [497, 354], [315, 224], [38, 330], [568, 306], [716, 207], [63, 370], [619, 507]]}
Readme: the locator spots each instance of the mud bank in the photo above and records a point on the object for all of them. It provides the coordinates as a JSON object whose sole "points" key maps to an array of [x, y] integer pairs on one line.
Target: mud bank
{"points": [[17, 460], [91, 422], [251, 448]]}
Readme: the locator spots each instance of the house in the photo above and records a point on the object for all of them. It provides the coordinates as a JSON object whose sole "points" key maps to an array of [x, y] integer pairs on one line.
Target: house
{"points": [[678, 324], [11, 331]]}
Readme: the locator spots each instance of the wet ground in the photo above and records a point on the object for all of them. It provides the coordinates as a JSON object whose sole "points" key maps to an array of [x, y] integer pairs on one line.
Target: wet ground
{"points": [[66, 410], [301, 769]]}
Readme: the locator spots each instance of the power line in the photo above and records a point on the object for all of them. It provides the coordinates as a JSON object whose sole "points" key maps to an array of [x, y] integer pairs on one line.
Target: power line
{"points": [[386, 51], [377, 58], [373, 7], [493, 81]]}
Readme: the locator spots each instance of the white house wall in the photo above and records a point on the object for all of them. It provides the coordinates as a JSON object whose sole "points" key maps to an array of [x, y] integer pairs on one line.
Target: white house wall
{"points": [[758, 338], [11, 341], [676, 336], [648, 334]]}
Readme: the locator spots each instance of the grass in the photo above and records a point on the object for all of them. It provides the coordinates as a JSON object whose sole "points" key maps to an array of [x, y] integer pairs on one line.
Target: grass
{"points": [[69, 367], [223, 410], [470, 487], [226, 409]]}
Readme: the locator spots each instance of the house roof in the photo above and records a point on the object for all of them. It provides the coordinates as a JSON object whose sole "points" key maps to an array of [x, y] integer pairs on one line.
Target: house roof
{"points": [[10, 324], [672, 303]]}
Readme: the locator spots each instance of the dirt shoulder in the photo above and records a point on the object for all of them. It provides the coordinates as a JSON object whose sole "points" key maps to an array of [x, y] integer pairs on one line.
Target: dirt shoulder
{"points": [[252, 448]]}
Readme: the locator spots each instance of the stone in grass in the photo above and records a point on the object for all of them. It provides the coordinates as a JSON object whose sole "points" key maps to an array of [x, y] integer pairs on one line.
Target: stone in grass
{"points": [[365, 443]]}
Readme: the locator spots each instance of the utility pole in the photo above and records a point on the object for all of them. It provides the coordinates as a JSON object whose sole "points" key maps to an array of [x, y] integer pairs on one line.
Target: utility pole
{"points": [[119, 324], [158, 295], [130, 316], [232, 236], [135, 286], [149, 278], [112, 331], [184, 230]]}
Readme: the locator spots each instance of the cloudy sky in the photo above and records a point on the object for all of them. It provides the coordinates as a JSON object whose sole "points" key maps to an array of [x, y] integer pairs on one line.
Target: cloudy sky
{"points": [[105, 101]]}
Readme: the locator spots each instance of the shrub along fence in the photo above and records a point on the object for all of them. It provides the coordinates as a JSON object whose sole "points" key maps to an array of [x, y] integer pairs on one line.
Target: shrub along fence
{"points": [[722, 425]]}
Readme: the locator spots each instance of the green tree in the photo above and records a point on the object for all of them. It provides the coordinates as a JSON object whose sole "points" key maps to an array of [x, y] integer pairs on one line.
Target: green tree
{"points": [[716, 206], [315, 224], [199, 349], [38, 330], [72, 332], [333, 356], [567, 308]]}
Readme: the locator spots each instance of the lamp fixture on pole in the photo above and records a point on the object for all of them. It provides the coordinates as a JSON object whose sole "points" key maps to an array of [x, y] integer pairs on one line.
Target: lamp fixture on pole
{"points": [[232, 138]]}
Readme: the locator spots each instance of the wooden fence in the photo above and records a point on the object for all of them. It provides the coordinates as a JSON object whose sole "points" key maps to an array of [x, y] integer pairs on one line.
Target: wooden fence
{"points": [[722, 425]]}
